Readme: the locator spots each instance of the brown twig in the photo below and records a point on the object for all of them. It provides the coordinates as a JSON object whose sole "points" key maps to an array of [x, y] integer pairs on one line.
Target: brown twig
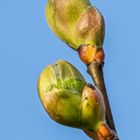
{"points": [[95, 69]]}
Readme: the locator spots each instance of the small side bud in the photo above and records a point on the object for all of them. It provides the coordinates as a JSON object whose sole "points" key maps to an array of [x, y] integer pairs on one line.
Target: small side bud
{"points": [[90, 28], [92, 108]]}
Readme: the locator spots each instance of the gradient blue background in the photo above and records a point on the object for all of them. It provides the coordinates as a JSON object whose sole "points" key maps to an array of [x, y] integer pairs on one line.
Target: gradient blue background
{"points": [[27, 45]]}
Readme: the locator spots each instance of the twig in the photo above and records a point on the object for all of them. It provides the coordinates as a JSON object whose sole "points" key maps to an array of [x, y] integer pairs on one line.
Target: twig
{"points": [[95, 69]]}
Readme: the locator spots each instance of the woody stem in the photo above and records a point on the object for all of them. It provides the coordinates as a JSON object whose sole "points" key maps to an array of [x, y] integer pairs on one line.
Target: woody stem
{"points": [[95, 69]]}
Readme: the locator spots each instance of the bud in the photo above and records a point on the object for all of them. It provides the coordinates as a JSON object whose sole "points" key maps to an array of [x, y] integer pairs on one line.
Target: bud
{"points": [[90, 28], [75, 22], [92, 108], [70, 101], [93, 115], [60, 87]]}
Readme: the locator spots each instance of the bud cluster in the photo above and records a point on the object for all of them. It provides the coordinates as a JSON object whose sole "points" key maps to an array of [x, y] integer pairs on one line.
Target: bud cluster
{"points": [[68, 99], [63, 91]]}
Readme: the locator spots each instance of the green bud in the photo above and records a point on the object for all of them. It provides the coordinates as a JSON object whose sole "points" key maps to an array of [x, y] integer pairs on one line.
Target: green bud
{"points": [[92, 109], [60, 87], [90, 28], [75, 22], [68, 99]]}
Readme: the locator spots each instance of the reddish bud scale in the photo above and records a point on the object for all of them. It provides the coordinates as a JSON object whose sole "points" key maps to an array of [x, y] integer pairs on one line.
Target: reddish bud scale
{"points": [[104, 132], [89, 53], [100, 55]]}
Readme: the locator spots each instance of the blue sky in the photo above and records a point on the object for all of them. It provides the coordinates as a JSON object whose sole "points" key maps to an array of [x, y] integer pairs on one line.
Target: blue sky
{"points": [[27, 45]]}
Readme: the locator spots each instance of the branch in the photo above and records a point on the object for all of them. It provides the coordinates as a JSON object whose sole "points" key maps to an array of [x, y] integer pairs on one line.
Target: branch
{"points": [[95, 69]]}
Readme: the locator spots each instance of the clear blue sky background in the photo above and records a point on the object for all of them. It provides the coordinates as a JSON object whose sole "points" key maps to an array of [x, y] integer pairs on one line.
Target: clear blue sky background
{"points": [[27, 45]]}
